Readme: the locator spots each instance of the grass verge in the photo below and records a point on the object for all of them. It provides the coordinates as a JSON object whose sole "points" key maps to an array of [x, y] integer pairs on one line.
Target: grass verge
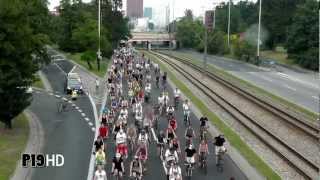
{"points": [[12, 144], [252, 88], [103, 64], [232, 137], [38, 83]]}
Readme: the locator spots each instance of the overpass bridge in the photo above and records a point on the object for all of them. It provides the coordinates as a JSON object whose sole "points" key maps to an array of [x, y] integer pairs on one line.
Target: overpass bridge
{"points": [[152, 40]]}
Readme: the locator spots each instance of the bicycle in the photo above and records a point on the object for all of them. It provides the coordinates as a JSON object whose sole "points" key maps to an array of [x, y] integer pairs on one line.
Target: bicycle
{"points": [[189, 168], [187, 121], [220, 161], [160, 151], [203, 162], [116, 175], [203, 133]]}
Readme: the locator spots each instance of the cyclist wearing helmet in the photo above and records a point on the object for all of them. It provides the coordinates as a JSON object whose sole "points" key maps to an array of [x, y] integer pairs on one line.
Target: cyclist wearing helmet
{"points": [[136, 168], [117, 165]]}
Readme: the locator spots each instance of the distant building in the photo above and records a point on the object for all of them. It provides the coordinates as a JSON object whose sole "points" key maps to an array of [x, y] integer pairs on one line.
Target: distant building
{"points": [[147, 13], [55, 11], [135, 8]]}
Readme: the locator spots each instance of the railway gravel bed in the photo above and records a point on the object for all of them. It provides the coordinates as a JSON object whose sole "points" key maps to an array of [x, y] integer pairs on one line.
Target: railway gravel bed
{"points": [[290, 142]]}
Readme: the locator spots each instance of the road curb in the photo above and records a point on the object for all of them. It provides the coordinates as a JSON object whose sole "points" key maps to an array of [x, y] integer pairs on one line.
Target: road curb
{"points": [[34, 145]]}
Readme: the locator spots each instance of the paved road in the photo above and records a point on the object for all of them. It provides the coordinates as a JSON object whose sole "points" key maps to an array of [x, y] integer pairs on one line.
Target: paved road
{"points": [[68, 133], [154, 164], [299, 87]]}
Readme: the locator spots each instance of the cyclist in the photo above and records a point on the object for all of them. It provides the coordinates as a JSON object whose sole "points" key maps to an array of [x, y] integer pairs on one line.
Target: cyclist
{"points": [[175, 172], [173, 123], [117, 166], [176, 97], [170, 111], [176, 145], [114, 103], [157, 80], [122, 119], [100, 174], [203, 122], [143, 137], [148, 92], [166, 98], [104, 119], [161, 139], [103, 131], [124, 103], [100, 157], [121, 142], [190, 154], [136, 168], [170, 134], [203, 150], [171, 156], [219, 145], [142, 153], [139, 119], [161, 102], [185, 107], [164, 79], [99, 144], [189, 134], [132, 134]]}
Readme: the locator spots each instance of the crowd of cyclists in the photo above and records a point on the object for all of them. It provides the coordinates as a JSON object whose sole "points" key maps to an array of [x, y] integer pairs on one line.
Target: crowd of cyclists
{"points": [[131, 117]]}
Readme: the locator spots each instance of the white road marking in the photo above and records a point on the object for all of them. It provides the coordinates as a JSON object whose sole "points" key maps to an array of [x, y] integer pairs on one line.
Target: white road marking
{"points": [[60, 68], [57, 96], [289, 87], [90, 124], [83, 114], [93, 129], [65, 99], [77, 107], [87, 119], [70, 102], [164, 166], [315, 97], [51, 94], [283, 75], [80, 111], [154, 135], [73, 68], [73, 105]]}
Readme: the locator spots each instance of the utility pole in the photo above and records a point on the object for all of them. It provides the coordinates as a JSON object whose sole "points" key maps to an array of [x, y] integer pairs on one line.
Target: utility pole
{"points": [[205, 48], [229, 24], [99, 34], [259, 31]]}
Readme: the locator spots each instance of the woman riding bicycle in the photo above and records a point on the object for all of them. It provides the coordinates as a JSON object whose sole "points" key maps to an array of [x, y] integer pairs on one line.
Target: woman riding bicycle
{"points": [[117, 166], [136, 168], [175, 172], [203, 150]]}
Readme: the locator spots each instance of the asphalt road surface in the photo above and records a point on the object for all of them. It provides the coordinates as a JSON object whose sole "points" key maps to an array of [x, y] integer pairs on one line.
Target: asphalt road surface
{"points": [[299, 87], [67, 133], [155, 169]]}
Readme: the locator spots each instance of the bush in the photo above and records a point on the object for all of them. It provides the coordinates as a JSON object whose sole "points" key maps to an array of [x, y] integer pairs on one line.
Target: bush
{"points": [[243, 50], [308, 59], [217, 43]]}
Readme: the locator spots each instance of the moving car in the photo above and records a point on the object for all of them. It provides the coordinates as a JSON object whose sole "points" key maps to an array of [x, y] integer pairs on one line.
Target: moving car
{"points": [[73, 82]]}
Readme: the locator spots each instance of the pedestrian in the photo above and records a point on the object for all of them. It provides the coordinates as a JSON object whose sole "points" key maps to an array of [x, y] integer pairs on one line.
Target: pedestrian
{"points": [[97, 83]]}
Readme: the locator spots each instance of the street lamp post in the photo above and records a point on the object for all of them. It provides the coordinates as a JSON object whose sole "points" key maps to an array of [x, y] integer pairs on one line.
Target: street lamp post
{"points": [[259, 31], [229, 23]]}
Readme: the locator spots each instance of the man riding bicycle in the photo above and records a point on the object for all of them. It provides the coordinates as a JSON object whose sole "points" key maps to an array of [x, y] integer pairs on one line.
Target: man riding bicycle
{"points": [[190, 155], [117, 166], [219, 145], [189, 134], [170, 111], [203, 126], [136, 168], [171, 156]]}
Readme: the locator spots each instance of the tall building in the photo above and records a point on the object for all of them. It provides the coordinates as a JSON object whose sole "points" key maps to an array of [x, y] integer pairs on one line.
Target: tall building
{"points": [[135, 8], [147, 12]]}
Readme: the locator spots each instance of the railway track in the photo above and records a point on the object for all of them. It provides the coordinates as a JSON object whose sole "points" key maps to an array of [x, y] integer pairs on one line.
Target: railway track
{"points": [[308, 169]]}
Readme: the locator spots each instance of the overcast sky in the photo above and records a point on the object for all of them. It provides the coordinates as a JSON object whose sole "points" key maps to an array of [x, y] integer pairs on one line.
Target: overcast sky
{"points": [[197, 6]]}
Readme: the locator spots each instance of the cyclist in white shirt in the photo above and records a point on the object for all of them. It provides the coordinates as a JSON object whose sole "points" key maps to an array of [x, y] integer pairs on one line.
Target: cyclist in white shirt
{"points": [[185, 107], [100, 174]]}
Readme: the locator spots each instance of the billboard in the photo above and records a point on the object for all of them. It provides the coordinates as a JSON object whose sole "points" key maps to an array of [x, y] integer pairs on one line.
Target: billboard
{"points": [[208, 20]]}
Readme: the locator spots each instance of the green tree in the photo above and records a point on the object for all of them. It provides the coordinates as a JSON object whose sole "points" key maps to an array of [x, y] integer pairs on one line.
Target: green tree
{"points": [[217, 43], [22, 40], [303, 37]]}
